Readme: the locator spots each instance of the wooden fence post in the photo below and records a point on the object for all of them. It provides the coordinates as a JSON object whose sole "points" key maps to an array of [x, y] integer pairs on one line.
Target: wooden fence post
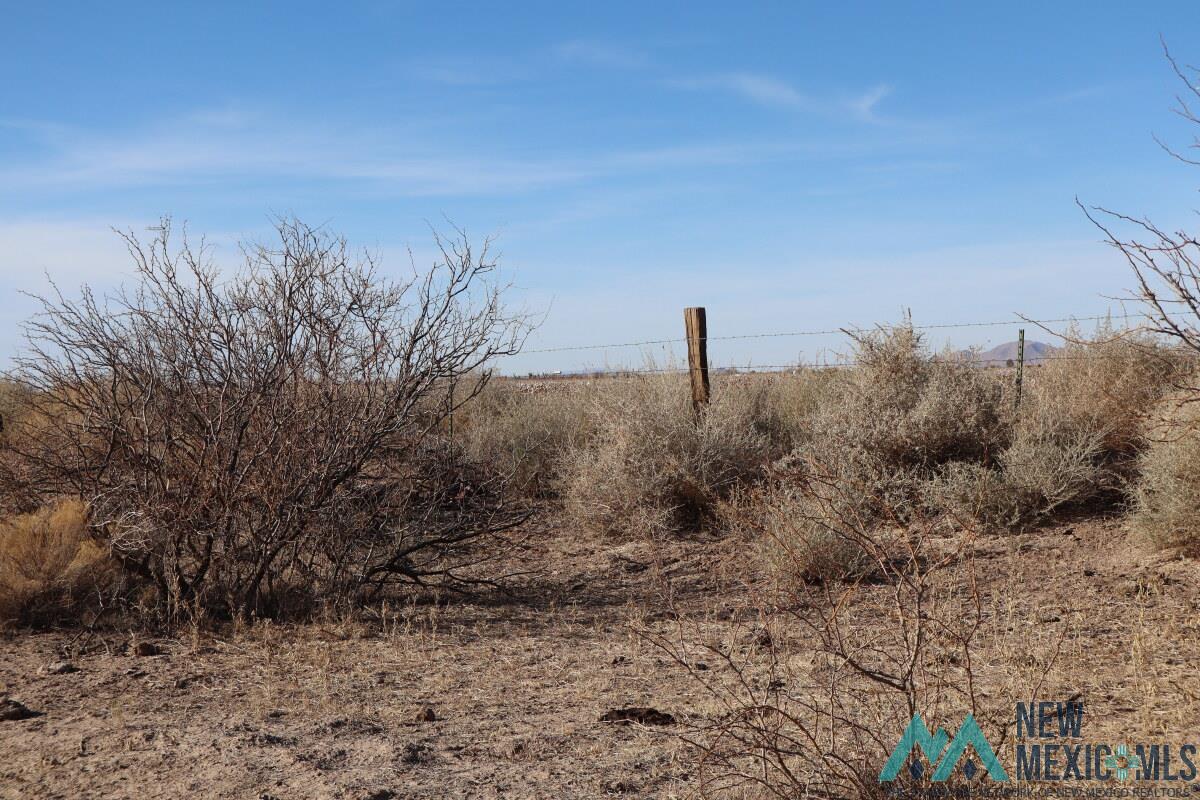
{"points": [[697, 344], [1020, 365]]}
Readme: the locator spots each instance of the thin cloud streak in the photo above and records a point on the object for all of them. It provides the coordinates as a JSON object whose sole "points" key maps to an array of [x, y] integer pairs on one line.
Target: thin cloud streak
{"points": [[767, 91], [600, 54], [759, 89], [203, 148]]}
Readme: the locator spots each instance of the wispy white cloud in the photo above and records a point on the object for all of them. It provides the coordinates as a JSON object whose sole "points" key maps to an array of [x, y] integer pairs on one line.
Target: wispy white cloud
{"points": [[864, 105], [768, 91], [467, 72], [68, 251], [600, 54], [226, 147], [761, 89], [89, 249], [210, 147]]}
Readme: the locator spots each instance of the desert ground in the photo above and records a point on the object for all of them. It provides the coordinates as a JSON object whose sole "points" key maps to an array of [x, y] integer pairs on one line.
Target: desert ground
{"points": [[501, 695]]}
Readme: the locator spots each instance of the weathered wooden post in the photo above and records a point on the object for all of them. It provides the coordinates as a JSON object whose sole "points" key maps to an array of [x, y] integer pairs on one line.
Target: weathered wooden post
{"points": [[1020, 365], [697, 345]]}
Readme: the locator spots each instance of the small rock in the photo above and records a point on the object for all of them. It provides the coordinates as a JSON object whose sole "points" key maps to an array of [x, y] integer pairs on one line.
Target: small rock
{"points": [[427, 714], [348, 726], [381, 794], [61, 668], [622, 787], [762, 639], [701, 666], [639, 714], [147, 649], [417, 753], [271, 739], [11, 710]]}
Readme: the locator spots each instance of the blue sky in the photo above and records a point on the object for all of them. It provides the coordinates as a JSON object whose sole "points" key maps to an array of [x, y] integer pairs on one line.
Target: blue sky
{"points": [[790, 166]]}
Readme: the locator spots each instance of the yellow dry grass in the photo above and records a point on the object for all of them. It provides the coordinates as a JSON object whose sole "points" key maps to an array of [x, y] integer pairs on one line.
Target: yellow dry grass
{"points": [[47, 563]]}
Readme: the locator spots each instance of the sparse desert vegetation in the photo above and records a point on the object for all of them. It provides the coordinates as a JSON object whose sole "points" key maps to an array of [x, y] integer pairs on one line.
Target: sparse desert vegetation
{"points": [[402, 571], [286, 524]]}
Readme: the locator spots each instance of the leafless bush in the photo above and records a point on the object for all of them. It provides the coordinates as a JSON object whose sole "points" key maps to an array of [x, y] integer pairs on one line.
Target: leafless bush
{"points": [[650, 467], [15, 494], [811, 704], [1165, 263], [238, 435]]}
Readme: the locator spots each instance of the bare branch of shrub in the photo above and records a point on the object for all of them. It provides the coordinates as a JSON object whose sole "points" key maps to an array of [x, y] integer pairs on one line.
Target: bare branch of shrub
{"points": [[237, 435]]}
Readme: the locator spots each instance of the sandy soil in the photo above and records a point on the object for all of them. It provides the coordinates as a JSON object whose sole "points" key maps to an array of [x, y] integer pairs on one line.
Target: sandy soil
{"points": [[502, 696]]}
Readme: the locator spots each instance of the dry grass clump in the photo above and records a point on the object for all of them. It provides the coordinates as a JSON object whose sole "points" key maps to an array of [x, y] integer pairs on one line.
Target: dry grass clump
{"points": [[1049, 463], [800, 526], [1076, 437], [903, 413], [49, 566], [781, 404], [522, 430], [1167, 498], [651, 467], [1106, 383], [882, 434], [910, 434]]}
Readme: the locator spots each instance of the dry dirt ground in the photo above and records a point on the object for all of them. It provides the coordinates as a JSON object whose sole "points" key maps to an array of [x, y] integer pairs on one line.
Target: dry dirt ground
{"points": [[502, 696]]}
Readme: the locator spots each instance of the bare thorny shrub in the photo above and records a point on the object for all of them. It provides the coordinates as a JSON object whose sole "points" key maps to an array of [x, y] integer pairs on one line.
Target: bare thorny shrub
{"points": [[1166, 265], [812, 704], [242, 438]]}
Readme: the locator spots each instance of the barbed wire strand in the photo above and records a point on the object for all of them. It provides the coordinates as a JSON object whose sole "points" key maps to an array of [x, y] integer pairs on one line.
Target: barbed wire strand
{"points": [[751, 368], [833, 331]]}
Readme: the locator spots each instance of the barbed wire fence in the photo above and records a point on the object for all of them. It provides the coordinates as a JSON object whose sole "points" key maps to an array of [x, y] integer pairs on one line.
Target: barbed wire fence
{"points": [[838, 363]]}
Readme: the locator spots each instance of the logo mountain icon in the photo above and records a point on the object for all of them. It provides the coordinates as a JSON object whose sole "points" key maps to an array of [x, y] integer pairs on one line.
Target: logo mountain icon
{"points": [[917, 736]]}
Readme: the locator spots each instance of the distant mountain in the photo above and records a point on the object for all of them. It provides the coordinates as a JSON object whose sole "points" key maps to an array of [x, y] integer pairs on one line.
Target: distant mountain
{"points": [[1035, 353]]}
